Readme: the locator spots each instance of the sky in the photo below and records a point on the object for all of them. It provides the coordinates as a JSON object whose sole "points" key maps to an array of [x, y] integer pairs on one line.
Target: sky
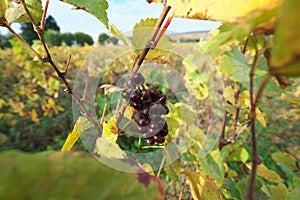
{"points": [[124, 14]]}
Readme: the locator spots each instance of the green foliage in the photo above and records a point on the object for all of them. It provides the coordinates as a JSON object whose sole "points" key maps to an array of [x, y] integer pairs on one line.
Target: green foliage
{"points": [[102, 37], [59, 175], [53, 38], [82, 38], [95, 7], [50, 23]]}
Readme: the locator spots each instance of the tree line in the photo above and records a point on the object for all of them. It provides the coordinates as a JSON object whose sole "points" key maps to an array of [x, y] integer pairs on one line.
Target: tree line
{"points": [[54, 37]]}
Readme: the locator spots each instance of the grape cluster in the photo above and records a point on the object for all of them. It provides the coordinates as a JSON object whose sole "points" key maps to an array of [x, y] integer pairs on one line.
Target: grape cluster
{"points": [[149, 105]]}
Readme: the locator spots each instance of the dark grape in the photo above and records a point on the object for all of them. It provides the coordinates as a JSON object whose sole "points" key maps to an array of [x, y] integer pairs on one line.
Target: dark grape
{"points": [[159, 139], [166, 109], [135, 96], [145, 94], [156, 109], [131, 84], [145, 112], [135, 105], [144, 122], [126, 94], [138, 79], [162, 99], [143, 129], [153, 126], [154, 94], [150, 141], [136, 116], [164, 132]]}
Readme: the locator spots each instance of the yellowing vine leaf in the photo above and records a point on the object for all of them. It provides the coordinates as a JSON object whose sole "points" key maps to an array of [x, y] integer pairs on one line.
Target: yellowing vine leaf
{"points": [[285, 58], [202, 187], [79, 127], [237, 11], [106, 145], [95, 7], [16, 13]]}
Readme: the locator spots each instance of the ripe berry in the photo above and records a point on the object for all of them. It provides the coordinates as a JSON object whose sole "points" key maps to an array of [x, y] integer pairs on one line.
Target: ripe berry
{"points": [[135, 96], [131, 84], [143, 122], [159, 139], [150, 141], [138, 79], [126, 94], [162, 99]]}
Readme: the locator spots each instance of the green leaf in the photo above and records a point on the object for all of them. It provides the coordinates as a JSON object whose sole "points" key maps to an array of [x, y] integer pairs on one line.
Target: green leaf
{"points": [[141, 34], [71, 175], [17, 13], [286, 50], [3, 6], [243, 185], [234, 64], [118, 34], [285, 160], [202, 187], [95, 7], [212, 165], [239, 155]]}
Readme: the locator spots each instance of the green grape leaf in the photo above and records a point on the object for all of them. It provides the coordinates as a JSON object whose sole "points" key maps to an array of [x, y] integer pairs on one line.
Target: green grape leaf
{"points": [[285, 57], [239, 155], [71, 175], [212, 165], [16, 13], [141, 34], [234, 64], [202, 187], [243, 185], [118, 34], [95, 7], [285, 160], [268, 175]]}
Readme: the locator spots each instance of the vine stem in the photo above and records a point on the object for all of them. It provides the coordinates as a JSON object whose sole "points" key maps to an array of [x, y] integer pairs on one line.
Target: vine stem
{"points": [[141, 57], [47, 58], [254, 102]]}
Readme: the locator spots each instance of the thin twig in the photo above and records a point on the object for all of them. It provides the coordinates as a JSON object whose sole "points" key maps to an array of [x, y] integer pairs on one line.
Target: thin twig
{"points": [[250, 194], [161, 166], [44, 15], [61, 75], [68, 64], [139, 60], [222, 140], [103, 115], [85, 91], [161, 33]]}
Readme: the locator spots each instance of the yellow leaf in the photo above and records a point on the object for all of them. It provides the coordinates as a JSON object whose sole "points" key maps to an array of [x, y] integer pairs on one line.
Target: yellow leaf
{"points": [[244, 99], [202, 187], [260, 117], [74, 135], [112, 125], [34, 116], [268, 174], [237, 11], [129, 112], [229, 94]]}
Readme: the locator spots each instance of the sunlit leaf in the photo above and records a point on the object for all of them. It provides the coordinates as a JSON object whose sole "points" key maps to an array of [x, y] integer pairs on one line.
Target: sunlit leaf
{"points": [[268, 174], [110, 88], [34, 116], [239, 155], [16, 13], [106, 145], [95, 7], [285, 160], [285, 58], [118, 34], [141, 34], [202, 187], [276, 192], [80, 125], [71, 175], [260, 117]]}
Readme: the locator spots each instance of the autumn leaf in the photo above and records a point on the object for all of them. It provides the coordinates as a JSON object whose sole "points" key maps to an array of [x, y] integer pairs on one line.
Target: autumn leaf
{"points": [[79, 127]]}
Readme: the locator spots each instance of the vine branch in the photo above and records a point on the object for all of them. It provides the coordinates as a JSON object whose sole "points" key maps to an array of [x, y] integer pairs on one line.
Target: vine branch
{"points": [[47, 58], [141, 57]]}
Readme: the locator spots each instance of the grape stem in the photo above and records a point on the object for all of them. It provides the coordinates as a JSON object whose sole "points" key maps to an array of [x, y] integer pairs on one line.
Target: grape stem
{"points": [[141, 57]]}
